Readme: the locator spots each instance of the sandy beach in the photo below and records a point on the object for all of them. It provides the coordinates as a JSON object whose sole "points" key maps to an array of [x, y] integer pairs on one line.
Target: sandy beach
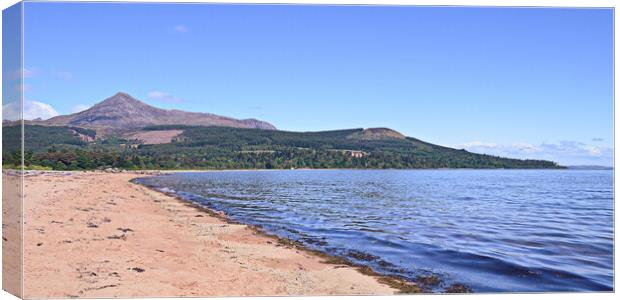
{"points": [[11, 235], [95, 234]]}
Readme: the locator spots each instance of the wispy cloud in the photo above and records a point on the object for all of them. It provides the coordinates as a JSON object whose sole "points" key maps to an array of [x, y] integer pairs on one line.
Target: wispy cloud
{"points": [[28, 73], [25, 72], [32, 110], [163, 97], [36, 72], [514, 149], [563, 152], [181, 28]]}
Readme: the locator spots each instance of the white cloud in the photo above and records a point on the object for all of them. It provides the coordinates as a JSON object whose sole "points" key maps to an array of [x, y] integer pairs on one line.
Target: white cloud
{"points": [[79, 108], [25, 72], [28, 73], [516, 148], [33, 72], [180, 28], [563, 152], [163, 97], [32, 110]]}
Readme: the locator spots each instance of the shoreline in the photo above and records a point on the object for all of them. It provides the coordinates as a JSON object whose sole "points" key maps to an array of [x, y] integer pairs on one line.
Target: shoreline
{"points": [[172, 171], [403, 286], [96, 234], [352, 169]]}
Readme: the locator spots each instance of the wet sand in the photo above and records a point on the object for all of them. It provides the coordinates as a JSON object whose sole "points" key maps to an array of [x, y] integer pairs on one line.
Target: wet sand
{"points": [[94, 234]]}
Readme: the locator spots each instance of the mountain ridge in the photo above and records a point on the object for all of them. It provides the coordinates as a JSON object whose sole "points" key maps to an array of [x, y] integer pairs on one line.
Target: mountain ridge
{"points": [[122, 112], [122, 131], [216, 147]]}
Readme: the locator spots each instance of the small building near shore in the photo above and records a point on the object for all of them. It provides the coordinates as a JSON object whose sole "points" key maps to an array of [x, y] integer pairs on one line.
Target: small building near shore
{"points": [[356, 153]]}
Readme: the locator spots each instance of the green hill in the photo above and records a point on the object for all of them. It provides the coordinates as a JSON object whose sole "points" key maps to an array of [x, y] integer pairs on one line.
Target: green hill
{"points": [[204, 147]]}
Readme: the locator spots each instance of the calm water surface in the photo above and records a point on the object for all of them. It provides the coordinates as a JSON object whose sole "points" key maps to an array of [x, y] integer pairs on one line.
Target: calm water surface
{"points": [[493, 230]]}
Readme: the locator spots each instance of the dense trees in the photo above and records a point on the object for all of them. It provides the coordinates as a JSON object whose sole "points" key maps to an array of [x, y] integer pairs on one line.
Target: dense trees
{"points": [[38, 137], [232, 148]]}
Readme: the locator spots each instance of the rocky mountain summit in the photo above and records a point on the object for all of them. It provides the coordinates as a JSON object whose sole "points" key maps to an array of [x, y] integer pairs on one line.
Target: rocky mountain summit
{"points": [[124, 112]]}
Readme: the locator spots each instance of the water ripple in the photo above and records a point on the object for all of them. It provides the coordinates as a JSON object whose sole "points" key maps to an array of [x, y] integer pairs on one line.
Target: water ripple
{"points": [[494, 230]]}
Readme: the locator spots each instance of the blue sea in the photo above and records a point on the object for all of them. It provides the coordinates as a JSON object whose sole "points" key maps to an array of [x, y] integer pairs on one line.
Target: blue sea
{"points": [[492, 230]]}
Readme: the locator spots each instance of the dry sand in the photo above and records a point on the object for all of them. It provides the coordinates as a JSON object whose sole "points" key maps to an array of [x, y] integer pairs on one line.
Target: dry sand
{"points": [[11, 235], [92, 234]]}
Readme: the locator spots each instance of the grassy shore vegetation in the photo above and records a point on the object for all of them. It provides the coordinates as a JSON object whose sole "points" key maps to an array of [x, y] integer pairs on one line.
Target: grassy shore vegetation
{"points": [[201, 147]]}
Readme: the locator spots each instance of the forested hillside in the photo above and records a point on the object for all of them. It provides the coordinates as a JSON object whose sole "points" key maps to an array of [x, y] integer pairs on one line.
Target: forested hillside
{"points": [[203, 147]]}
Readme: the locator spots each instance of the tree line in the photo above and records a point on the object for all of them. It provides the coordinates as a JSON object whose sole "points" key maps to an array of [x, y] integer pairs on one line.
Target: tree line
{"points": [[201, 147]]}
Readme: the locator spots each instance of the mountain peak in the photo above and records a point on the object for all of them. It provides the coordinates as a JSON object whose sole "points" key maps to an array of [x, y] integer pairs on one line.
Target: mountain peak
{"points": [[120, 98], [121, 95], [122, 112]]}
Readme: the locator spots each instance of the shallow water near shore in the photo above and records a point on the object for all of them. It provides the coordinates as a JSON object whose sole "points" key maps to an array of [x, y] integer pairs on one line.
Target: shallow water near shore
{"points": [[492, 230]]}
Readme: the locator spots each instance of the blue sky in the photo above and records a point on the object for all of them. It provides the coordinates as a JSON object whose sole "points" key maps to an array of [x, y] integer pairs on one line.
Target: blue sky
{"points": [[520, 82]]}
